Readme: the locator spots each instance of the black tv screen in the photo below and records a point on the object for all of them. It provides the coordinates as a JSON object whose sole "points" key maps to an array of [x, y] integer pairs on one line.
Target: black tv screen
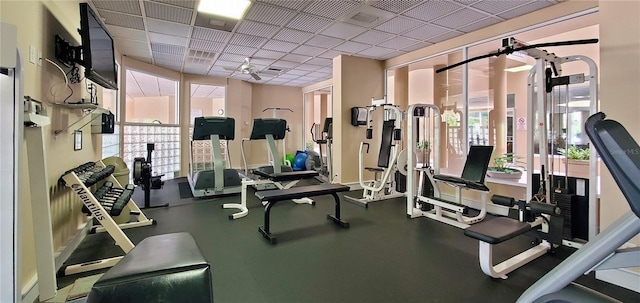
{"points": [[97, 50]]}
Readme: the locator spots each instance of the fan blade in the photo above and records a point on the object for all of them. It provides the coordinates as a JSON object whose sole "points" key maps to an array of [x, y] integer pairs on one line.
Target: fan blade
{"points": [[255, 76], [231, 69]]}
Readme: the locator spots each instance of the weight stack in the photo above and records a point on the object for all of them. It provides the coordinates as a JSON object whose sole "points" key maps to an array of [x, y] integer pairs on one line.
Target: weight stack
{"points": [[564, 202]]}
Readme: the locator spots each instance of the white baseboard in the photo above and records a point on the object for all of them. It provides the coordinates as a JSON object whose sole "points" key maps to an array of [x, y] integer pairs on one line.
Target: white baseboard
{"points": [[622, 277]]}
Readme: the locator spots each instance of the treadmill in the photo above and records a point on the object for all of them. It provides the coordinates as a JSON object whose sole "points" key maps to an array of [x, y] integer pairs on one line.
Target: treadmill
{"points": [[221, 180], [270, 130]]}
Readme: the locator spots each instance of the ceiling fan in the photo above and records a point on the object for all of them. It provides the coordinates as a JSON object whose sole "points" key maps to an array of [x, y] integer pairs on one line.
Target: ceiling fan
{"points": [[246, 68]]}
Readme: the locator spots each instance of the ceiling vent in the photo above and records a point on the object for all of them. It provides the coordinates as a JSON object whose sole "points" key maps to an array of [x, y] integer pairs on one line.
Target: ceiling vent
{"points": [[367, 16], [215, 22]]}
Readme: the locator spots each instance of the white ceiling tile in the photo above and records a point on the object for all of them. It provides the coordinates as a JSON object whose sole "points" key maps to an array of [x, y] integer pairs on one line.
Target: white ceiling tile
{"points": [[416, 46], [230, 64], [168, 13], [308, 67], [257, 29], [352, 47], [425, 32], [205, 45], [218, 73], [284, 64], [209, 34], [373, 37], [281, 46], [167, 39], [320, 61], [240, 50], [308, 50], [431, 10], [479, 24], [261, 61], [127, 33], [123, 6], [330, 54], [182, 3], [324, 41], [496, 7], [167, 49], [326, 69], [144, 59], [129, 21], [343, 30], [460, 18], [195, 69], [525, 9], [247, 40], [395, 6], [232, 57], [269, 54], [445, 36], [291, 4], [269, 14], [329, 9], [292, 35], [295, 58], [376, 51], [166, 57], [293, 74], [168, 28], [398, 43], [202, 62], [308, 23], [398, 25]]}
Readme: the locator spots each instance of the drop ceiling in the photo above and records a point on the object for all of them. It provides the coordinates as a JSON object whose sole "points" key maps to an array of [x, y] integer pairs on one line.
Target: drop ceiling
{"points": [[293, 42]]}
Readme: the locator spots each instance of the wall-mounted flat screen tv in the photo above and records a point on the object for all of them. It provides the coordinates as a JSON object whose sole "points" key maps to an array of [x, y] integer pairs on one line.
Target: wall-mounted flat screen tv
{"points": [[97, 50]]}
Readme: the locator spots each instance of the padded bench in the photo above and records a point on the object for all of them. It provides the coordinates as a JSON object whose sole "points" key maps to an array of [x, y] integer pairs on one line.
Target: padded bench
{"points": [[163, 268], [287, 176], [274, 196], [497, 230]]}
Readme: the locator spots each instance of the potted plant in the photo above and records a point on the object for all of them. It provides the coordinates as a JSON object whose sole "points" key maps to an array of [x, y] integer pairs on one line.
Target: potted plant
{"points": [[423, 151], [577, 160], [503, 167]]}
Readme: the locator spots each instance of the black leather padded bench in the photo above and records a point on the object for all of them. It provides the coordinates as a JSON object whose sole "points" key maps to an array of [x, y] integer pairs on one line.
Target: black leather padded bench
{"points": [[274, 196], [163, 268], [287, 176]]}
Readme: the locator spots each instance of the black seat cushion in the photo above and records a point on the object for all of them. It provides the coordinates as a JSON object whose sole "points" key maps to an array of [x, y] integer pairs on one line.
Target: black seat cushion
{"points": [[164, 268], [300, 192], [497, 230]]}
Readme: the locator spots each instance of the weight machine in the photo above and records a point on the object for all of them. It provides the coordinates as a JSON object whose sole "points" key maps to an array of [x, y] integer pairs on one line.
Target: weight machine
{"points": [[383, 186]]}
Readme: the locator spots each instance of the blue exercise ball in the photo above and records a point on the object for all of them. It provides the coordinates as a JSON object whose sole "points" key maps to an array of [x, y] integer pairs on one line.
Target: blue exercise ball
{"points": [[300, 160]]}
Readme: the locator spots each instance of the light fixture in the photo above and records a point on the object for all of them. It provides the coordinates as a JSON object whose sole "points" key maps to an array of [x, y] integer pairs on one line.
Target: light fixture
{"points": [[520, 68], [225, 8]]}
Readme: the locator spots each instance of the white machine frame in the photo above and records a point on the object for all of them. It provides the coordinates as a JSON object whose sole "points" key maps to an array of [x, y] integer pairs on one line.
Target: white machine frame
{"points": [[374, 190], [536, 83], [443, 210]]}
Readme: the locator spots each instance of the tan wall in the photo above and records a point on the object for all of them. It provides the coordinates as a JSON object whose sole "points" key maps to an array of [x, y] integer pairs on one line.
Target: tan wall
{"points": [[266, 96], [161, 108], [355, 81], [208, 106], [620, 70], [44, 20]]}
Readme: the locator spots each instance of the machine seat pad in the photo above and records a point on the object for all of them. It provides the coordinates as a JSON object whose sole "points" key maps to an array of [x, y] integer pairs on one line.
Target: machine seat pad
{"points": [[287, 176], [380, 169], [497, 230], [300, 192], [163, 268]]}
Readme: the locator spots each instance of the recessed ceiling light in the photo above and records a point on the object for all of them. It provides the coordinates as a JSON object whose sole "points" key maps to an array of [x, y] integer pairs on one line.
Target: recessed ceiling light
{"points": [[226, 8]]}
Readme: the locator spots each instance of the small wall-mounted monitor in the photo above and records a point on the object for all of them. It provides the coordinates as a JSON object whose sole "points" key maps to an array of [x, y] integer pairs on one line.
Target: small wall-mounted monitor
{"points": [[97, 50]]}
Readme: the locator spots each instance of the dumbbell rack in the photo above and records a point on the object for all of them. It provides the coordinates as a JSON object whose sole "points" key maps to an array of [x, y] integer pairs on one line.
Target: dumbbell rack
{"points": [[80, 184]]}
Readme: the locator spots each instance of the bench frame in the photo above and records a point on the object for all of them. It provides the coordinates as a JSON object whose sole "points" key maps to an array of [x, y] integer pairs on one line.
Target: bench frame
{"points": [[242, 206], [485, 256], [265, 230]]}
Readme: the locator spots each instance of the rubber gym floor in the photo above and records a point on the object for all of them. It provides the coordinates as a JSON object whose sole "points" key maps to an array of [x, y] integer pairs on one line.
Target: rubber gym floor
{"points": [[382, 257]]}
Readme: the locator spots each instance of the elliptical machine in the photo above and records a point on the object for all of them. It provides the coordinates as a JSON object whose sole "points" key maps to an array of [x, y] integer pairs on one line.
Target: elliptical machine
{"points": [[143, 176], [323, 138]]}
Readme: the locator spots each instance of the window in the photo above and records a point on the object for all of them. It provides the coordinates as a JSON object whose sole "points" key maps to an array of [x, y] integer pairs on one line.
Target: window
{"points": [[111, 142], [152, 117]]}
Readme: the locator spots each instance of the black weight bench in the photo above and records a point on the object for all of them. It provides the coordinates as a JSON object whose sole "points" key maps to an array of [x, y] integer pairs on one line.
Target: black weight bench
{"points": [[274, 196], [163, 268], [287, 176], [497, 230]]}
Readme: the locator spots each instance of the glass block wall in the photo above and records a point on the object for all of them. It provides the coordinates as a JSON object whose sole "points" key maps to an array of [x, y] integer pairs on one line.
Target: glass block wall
{"points": [[166, 155], [202, 155], [111, 144]]}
